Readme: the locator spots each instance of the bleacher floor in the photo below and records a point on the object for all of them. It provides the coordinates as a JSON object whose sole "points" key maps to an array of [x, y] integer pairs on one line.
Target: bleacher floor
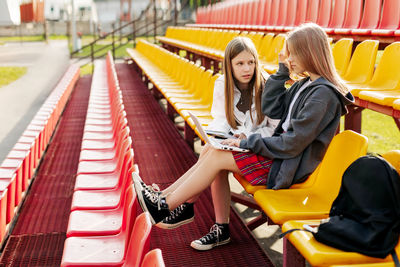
{"points": [[39, 234], [162, 156]]}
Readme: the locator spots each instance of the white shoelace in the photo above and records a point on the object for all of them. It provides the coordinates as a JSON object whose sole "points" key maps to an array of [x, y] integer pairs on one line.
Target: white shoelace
{"points": [[215, 231], [176, 212], [154, 197]]}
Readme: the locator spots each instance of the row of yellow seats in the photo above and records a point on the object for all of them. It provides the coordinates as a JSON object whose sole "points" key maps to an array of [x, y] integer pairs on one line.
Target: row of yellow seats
{"points": [[377, 83], [212, 38], [380, 85], [187, 86], [214, 41]]}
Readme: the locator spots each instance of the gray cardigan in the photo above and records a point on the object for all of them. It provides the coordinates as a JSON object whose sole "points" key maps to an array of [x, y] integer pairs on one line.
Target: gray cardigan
{"points": [[315, 118]]}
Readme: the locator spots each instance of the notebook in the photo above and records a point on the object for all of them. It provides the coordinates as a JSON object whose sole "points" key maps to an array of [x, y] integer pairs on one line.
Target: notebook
{"points": [[216, 143]]}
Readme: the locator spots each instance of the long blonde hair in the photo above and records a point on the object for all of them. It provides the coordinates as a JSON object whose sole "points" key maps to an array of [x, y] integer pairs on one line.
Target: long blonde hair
{"points": [[309, 43], [234, 47]]}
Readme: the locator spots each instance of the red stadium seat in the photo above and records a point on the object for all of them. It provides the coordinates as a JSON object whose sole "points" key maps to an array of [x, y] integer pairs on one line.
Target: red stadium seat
{"points": [[370, 18], [103, 222], [109, 250], [352, 17], [390, 19], [153, 258], [312, 11], [324, 13]]}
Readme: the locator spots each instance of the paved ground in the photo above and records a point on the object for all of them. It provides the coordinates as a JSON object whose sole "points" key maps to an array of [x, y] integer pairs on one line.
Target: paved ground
{"points": [[20, 100]]}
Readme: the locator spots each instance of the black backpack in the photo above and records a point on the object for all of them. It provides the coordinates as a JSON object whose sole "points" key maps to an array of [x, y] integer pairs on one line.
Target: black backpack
{"points": [[365, 216]]}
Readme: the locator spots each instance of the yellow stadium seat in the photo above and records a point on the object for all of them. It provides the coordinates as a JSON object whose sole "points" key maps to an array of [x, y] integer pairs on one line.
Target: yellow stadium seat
{"points": [[393, 157], [382, 97], [362, 63], [387, 73], [318, 254], [314, 201], [341, 52], [265, 45], [270, 62]]}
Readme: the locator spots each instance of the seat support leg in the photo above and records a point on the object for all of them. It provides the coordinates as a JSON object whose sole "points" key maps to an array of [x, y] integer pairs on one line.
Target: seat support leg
{"points": [[291, 257], [353, 119]]}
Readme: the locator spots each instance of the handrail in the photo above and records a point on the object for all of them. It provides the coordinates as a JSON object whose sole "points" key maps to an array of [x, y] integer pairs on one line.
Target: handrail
{"points": [[147, 25]]}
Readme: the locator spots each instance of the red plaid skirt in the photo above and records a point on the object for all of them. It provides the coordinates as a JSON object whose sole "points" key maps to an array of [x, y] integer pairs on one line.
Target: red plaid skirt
{"points": [[254, 168]]}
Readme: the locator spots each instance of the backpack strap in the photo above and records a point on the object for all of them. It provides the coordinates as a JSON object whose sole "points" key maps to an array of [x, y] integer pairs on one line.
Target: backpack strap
{"points": [[297, 229], [395, 258]]}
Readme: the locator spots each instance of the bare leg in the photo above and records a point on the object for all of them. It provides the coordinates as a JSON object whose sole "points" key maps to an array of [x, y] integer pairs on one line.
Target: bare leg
{"points": [[221, 196], [187, 174], [202, 175]]}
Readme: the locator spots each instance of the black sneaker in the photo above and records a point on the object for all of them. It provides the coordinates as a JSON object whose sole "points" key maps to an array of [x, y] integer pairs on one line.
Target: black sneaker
{"points": [[218, 235], [155, 204], [140, 185], [183, 214]]}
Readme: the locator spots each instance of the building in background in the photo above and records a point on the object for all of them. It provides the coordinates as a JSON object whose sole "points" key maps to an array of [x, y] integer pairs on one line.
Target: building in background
{"points": [[9, 12], [60, 10]]}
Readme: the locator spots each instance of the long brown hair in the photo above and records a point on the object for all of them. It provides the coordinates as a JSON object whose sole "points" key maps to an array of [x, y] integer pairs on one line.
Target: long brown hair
{"points": [[235, 47], [310, 44]]}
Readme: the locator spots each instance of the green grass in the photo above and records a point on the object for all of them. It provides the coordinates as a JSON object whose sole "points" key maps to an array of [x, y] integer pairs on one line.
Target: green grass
{"points": [[10, 74], [86, 69], [381, 130]]}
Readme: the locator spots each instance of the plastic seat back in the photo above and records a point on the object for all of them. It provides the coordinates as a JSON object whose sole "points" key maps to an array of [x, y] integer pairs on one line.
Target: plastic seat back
{"points": [[341, 54], [387, 73], [338, 12], [153, 258], [390, 18], [256, 37], [312, 10], [371, 14], [324, 13], [208, 96], [283, 4], [290, 13], [275, 48], [265, 45], [205, 92], [345, 147], [362, 63], [138, 241], [260, 12], [338, 142], [353, 14], [393, 157], [267, 12], [301, 12], [273, 14]]}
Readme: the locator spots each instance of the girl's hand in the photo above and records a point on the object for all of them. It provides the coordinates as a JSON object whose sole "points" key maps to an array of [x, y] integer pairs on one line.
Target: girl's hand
{"points": [[282, 57], [240, 136], [231, 142]]}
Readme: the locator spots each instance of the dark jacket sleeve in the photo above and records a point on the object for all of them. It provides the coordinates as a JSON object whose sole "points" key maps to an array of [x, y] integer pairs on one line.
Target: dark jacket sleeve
{"points": [[315, 115], [274, 93]]}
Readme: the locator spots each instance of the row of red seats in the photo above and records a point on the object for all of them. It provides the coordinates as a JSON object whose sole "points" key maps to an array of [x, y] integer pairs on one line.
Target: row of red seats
{"points": [[103, 227], [343, 17], [18, 169]]}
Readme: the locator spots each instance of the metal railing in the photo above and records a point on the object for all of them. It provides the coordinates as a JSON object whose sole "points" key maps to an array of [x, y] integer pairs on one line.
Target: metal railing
{"points": [[123, 35]]}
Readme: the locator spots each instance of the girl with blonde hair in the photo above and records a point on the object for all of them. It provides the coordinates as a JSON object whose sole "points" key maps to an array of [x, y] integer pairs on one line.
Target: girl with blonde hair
{"points": [[309, 113]]}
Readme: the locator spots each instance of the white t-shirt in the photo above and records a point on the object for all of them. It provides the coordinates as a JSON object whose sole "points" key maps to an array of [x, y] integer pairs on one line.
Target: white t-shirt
{"points": [[285, 124], [246, 126]]}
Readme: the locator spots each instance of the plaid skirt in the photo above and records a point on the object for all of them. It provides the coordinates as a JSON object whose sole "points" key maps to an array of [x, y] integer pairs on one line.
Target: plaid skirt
{"points": [[254, 168]]}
